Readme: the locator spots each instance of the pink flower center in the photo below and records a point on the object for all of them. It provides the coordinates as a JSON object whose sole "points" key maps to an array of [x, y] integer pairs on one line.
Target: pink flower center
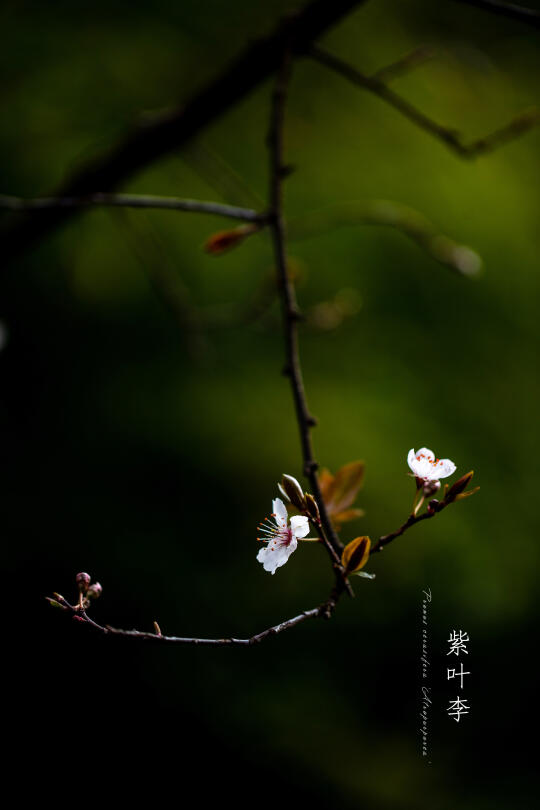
{"points": [[274, 533], [286, 536]]}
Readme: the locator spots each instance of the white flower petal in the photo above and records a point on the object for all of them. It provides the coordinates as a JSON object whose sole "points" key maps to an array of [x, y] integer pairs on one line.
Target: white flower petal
{"points": [[426, 470], [423, 465], [443, 468], [280, 511], [299, 525], [419, 464], [274, 555]]}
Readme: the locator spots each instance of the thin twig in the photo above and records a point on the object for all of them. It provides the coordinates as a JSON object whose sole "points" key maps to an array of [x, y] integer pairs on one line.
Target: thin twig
{"points": [[511, 10], [449, 136], [289, 306], [412, 520], [131, 201], [323, 611]]}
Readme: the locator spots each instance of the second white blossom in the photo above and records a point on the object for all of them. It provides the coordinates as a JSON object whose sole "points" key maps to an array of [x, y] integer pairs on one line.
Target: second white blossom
{"points": [[427, 468]]}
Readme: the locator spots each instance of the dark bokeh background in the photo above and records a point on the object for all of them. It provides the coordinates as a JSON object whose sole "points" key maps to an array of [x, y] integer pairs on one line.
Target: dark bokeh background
{"points": [[145, 452]]}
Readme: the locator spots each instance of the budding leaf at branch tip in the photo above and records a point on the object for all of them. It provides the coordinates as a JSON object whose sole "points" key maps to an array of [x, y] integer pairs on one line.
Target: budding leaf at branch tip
{"points": [[355, 554], [454, 493], [221, 241], [53, 603]]}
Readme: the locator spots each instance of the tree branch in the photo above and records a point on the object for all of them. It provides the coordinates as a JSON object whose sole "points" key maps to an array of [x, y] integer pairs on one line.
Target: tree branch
{"points": [[131, 201], [434, 507], [166, 133], [452, 139], [510, 10], [290, 311], [412, 520], [323, 611]]}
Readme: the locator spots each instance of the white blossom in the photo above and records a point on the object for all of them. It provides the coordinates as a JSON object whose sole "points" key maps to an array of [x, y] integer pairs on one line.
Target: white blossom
{"points": [[281, 536], [427, 468]]}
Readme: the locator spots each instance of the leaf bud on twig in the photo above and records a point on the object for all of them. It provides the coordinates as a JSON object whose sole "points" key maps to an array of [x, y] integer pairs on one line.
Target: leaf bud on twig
{"points": [[312, 508], [293, 491]]}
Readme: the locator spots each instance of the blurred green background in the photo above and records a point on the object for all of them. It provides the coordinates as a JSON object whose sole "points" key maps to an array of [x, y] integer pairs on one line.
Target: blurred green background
{"points": [[144, 445]]}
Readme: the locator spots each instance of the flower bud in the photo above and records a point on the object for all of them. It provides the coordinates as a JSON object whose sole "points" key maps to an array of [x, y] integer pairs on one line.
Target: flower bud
{"points": [[459, 486], [312, 508], [294, 491], [431, 487], [432, 506], [94, 591], [83, 581]]}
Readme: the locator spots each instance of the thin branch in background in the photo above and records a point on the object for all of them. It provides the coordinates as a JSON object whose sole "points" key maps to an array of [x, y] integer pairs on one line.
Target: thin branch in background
{"points": [[510, 10], [404, 65], [146, 201], [461, 259], [154, 138], [449, 136]]}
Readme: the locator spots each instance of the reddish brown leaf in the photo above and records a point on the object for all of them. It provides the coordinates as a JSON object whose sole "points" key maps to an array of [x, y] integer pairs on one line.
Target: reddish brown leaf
{"points": [[345, 487], [347, 515]]}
